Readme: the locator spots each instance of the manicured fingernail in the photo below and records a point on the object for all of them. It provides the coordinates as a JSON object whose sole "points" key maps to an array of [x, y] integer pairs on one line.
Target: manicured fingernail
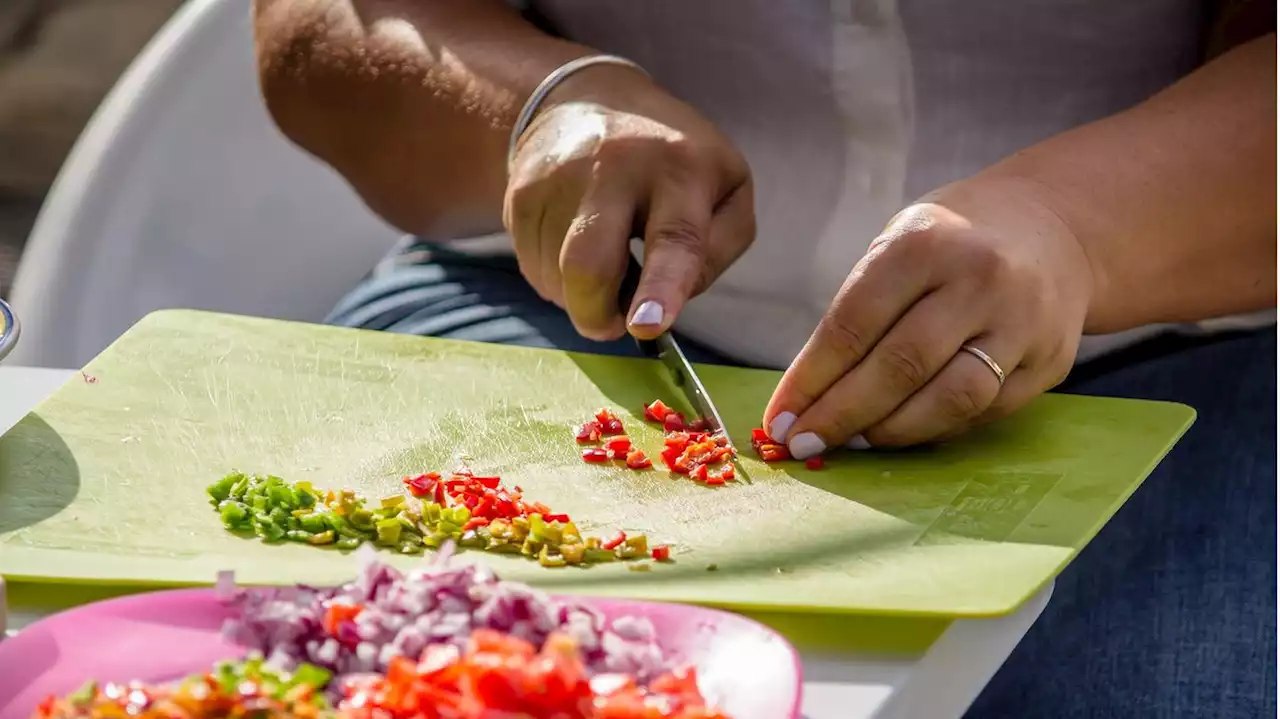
{"points": [[647, 314], [780, 426], [858, 443], [806, 445]]}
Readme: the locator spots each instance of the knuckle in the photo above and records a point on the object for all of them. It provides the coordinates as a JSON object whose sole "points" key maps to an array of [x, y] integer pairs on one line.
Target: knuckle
{"points": [[681, 233], [887, 435], [960, 401], [846, 336], [904, 365]]}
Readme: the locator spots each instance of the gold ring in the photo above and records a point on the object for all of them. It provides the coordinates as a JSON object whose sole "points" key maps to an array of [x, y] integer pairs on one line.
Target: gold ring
{"points": [[986, 359]]}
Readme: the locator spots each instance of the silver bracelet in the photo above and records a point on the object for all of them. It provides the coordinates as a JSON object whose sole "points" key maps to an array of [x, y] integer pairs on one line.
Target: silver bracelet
{"points": [[548, 84]]}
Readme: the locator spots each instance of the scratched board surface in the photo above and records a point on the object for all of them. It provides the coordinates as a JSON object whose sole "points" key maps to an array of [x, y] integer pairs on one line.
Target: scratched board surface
{"points": [[104, 482]]}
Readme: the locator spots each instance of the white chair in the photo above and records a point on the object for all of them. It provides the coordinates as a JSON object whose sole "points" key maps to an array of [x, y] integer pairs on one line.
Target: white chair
{"points": [[181, 193]]}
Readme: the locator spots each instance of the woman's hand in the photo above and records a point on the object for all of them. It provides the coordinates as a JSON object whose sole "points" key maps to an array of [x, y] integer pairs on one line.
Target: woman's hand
{"points": [[611, 157], [984, 263]]}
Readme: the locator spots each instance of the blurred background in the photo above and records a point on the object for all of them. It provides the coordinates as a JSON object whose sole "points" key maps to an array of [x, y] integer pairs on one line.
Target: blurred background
{"points": [[58, 59]]}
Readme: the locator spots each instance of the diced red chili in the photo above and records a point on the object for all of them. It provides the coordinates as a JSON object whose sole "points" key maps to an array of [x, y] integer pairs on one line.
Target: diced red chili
{"points": [[715, 481], [556, 517], [662, 553], [588, 432], [814, 462], [701, 473], [773, 452], [604, 414], [759, 437], [595, 455], [656, 411], [617, 541], [475, 522], [618, 444], [674, 422], [700, 425], [612, 428], [636, 459], [336, 615], [490, 482], [727, 473]]}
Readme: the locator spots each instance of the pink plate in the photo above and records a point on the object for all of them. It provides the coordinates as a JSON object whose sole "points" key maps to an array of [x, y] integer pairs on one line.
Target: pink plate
{"points": [[744, 668]]}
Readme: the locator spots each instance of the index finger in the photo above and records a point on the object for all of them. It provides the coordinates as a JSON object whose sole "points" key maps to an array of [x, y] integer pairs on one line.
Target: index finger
{"points": [[878, 292]]}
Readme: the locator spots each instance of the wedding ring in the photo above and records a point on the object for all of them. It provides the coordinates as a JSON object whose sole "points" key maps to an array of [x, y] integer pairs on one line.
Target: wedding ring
{"points": [[986, 359]]}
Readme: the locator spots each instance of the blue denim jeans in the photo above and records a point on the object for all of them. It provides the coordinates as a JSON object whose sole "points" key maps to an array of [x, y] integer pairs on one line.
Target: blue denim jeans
{"points": [[1169, 612]]}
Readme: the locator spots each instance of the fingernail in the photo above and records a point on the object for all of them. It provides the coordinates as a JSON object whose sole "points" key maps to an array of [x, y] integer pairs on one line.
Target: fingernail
{"points": [[780, 426], [648, 313], [806, 445], [858, 443]]}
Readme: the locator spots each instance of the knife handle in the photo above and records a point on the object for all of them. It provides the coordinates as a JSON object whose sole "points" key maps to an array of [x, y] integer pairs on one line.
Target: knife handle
{"points": [[627, 295]]}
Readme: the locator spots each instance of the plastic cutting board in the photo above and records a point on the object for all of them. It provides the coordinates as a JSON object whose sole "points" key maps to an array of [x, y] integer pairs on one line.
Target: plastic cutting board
{"points": [[103, 484]]}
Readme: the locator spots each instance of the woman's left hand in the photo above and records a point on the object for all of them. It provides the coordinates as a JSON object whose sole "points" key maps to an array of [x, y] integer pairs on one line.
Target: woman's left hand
{"points": [[984, 263]]}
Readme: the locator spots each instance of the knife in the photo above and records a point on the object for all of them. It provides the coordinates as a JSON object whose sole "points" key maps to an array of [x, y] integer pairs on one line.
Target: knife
{"points": [[680, 371]]}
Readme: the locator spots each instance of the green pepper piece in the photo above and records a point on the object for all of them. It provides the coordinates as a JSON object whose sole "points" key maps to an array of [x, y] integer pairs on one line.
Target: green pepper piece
{"points": [[361, 519], [272, 532], [410, 548], [297, 535], [547, 559], [233, 514], [349, 542], [596, 555], [239, 488], [258, 502], [531, 547], [553, 533], [453, 530], [279, 515], [393, 501], [343, 528], [313, 522], [572, 553], [325, 537], [388, 531], [306, 499], [221, 489], [472, 540], [638, 542], [430, 512], [537, 527]]}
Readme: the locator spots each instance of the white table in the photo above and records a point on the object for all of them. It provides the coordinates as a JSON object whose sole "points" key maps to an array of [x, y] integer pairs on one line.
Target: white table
{"points": [[940, 684]]}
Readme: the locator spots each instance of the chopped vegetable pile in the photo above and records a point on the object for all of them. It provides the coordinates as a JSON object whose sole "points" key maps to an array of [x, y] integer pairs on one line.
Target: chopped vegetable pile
{"points": [[476, 512], [247, 689], [438, 643]]}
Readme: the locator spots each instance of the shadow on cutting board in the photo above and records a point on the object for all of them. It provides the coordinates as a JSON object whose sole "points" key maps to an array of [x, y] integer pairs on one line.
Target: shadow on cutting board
{"points": [[39, 477]]}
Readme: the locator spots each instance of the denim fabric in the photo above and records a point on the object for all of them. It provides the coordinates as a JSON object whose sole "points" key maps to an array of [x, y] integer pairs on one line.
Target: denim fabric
{"points": [[1170, 612]]}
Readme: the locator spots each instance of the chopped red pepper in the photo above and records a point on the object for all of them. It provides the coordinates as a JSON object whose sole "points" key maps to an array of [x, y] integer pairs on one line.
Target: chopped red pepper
{"points": [[588, 432], [636, 459], [490, 482], [773, 452], [595, 455], [617, 540], [656, 411], [700, 425], [475, 523], [618, 444], [700, 473], [727, 473], [335, 615], [814, 462], [556, 517], [759, 437], [662, 553], [674, 422], [715, 481]]}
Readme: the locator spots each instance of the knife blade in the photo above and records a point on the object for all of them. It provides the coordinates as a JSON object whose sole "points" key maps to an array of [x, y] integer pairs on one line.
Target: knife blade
{"points": [[679, 370]]}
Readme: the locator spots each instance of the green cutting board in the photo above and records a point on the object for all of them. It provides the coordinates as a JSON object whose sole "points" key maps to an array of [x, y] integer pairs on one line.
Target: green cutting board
{"points": [[103, 484]]}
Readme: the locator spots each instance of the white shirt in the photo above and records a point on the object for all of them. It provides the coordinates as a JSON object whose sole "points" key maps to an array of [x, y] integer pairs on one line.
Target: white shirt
{"points": [[848, 109]]}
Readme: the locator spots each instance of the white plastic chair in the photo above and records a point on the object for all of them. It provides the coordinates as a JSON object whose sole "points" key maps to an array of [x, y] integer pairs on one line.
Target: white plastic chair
{"points": [[181, 193]]}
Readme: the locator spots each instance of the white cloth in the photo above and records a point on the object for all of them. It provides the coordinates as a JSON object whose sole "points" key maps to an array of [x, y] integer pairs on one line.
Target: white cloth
{"points": [[848, 109]]}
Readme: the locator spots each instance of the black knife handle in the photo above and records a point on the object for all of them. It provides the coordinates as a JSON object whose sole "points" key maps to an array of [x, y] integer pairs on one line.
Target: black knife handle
{"points": [[627, 295]]}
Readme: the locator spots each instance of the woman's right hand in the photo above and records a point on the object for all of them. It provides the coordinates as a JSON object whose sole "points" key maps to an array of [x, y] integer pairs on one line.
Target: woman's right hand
{"points": [[612, 156]]}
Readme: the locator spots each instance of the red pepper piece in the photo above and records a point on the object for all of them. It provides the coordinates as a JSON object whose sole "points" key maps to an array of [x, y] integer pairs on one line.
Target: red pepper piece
{"points": [[588, 432], [555, 517], [656, 411], [674, 422], [636, 459], [670, 455], [612, 428], [614, 444], [595, 455], [617, 454], [759, 437], [727, 473], [701, 473], [419, 486], [617, 541], [662, 553], [699, 425], [814, 462], [677, 439], [489, 482], [715, 481], [773, 452], [475, 522], [336, 614], [604, 414]]}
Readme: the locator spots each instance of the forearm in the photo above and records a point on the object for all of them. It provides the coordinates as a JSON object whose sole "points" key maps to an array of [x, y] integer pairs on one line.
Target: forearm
{"points": [[412, 101], [1173, 201]]}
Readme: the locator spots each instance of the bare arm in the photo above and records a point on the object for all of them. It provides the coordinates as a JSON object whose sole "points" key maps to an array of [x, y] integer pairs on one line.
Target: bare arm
{"points": [[1173, 201], [410, 100]]}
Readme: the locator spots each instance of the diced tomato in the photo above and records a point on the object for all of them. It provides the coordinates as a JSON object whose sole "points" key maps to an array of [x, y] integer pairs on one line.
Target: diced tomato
{"points": [[588, 432], [656, 411], [636, 459], [595, 455], [773, 452], [814, 462], [617, 540], [618, 444], [336, 614], [674, 422], [662, 553]]}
